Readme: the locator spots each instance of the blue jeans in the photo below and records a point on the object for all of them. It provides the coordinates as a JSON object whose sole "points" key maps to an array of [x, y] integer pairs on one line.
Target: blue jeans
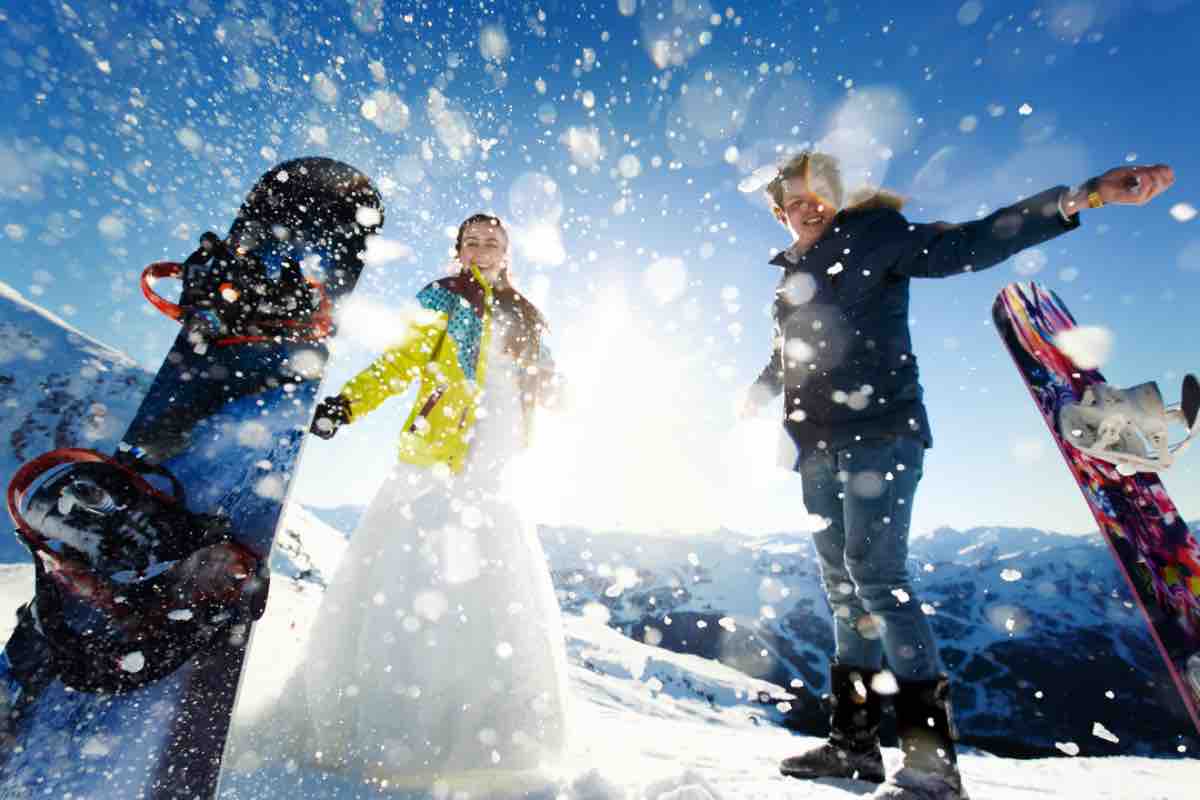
{"points": [[865, 491]]}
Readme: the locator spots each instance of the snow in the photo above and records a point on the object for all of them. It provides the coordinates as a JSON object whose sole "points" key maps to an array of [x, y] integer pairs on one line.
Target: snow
{"points": [[1183, 212], [1088, 346], [666, 279], [133, 662], [647, 723]]}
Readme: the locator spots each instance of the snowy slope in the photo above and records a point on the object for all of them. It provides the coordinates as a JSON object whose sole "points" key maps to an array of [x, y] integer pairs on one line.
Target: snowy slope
{"points": [[306, 549], [58, 388], [1037, 628], [651, 723]]}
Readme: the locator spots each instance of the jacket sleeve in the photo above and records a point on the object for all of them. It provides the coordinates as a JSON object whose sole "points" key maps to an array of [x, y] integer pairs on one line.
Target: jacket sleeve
{"points": [[941, 249], [770, 380], [400, 364]]}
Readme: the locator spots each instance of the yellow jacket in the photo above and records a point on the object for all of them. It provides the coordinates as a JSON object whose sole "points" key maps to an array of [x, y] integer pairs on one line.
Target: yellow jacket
{"points": [[445, 348]]}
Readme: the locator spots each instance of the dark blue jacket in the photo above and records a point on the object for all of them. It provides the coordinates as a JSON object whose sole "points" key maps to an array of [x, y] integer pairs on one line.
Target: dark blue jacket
{"points": [[843, 353]]}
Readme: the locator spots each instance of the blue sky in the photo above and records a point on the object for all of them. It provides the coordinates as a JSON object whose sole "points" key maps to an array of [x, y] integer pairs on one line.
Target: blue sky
{"points": [[613, 139]]}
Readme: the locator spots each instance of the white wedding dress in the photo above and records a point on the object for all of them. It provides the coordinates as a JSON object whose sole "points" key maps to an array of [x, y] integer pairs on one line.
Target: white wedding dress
{"points": [[437, 656]]}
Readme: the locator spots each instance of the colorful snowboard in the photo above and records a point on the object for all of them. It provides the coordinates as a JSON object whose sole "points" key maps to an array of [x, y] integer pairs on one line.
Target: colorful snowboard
{"points": [[1156, 552], [151, 564]]}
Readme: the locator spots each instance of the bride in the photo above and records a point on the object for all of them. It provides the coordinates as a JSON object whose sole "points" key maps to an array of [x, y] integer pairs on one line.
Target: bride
{"points": [[437, 655]]}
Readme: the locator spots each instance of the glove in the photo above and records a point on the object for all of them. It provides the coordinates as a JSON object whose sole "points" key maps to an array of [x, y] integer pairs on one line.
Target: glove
{"points": [[332, 413]]}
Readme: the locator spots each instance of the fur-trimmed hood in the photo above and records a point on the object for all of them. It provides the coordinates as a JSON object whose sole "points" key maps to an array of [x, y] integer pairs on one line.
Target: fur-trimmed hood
{"points": [[872, 199]]}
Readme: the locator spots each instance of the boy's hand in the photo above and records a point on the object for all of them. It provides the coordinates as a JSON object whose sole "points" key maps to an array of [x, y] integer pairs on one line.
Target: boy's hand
{"points": [[1134, 185], [753, 400]]}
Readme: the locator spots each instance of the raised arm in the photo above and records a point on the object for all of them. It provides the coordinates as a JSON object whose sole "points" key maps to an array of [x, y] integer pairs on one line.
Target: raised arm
{"points": [[938, 250], [942, 249]]}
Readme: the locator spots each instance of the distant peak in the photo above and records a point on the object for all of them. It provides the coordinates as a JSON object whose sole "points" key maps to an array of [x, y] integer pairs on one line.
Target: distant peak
{"points": [[23, 304]]}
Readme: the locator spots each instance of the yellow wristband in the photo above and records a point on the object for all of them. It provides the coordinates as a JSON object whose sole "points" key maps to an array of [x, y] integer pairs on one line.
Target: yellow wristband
{"points": [[1094, 200]]}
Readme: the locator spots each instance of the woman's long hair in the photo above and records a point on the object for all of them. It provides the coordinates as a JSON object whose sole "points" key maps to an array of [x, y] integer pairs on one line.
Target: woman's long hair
{"points": [[523, 334]]}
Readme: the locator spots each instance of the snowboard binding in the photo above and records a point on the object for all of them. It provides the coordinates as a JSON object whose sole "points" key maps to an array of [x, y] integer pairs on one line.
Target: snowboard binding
{"points": [[250, 287], [1129, 428], [130, 583], [228, 299]]}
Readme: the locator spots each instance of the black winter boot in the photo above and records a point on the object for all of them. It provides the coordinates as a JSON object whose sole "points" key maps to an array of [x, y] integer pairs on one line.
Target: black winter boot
{"points": [[853, 747], [927, 735]]}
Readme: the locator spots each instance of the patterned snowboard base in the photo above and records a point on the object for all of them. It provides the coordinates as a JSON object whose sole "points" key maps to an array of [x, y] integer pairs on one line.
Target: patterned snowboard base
{"points": [[1157, 554]]}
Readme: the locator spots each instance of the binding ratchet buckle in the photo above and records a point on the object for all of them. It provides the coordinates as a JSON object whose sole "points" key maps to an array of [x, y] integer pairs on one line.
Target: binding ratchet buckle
{"points": [[1129, 428]]}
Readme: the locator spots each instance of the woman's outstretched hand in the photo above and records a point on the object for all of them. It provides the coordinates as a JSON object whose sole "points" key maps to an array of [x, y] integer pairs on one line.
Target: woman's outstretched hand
{"points": [[331, 414]]}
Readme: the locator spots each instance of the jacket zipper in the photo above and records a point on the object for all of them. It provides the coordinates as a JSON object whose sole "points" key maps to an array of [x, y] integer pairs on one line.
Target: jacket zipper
{"points": [[427, 407]]}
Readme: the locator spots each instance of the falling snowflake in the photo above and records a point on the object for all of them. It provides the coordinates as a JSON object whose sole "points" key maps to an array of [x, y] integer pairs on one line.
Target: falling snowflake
{"points": [[133, 662], [1088, 346], [493, 43], [1183, 212], [968, 13]]}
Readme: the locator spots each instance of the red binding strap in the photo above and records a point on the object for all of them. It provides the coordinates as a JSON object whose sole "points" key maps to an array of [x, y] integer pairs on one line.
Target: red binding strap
{"points": [[162, 269], [32, 470], [320, 326]]}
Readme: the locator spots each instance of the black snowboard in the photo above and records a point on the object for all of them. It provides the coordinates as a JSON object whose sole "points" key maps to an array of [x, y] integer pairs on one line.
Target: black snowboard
{"points": [[151, 563]]}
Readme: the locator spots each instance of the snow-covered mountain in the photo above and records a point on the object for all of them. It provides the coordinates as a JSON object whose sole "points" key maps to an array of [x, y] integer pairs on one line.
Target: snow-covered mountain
{"points": [[58, 388], [1037, 627]]}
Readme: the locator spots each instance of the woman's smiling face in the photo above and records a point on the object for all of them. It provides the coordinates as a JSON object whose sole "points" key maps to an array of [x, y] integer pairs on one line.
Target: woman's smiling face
{"points": [[485, 245]]}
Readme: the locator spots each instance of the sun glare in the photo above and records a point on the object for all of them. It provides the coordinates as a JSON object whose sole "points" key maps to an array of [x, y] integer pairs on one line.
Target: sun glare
{"points": [[645, 439]]}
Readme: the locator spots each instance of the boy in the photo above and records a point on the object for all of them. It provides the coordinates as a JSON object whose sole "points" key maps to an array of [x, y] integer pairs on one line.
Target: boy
{"points": [[852, 405]]}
